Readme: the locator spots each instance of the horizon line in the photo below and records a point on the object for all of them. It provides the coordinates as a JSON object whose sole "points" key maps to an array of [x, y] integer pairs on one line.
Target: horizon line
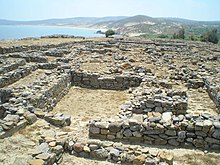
{"points": [[109, 16]]}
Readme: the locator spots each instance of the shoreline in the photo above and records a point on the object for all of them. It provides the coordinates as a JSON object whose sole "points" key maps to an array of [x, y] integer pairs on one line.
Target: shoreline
{"points": [[60, 26], [93, 30]]}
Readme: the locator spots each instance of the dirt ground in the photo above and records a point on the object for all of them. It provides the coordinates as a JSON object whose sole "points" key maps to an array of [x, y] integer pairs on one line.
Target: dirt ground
{"points": [[86, 104], [36, 41], [41, 41], [200, 102]]}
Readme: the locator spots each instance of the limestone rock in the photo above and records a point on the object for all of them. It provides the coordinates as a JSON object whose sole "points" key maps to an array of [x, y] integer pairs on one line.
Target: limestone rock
{"points": [[100, 153], [115, 127], [200, 143], [94, 129], [127, 133], [139, 160], [12, 118], [43, 156], [43, 148], [78, 147], [170, 132], [173, 142], [103, 125], [30, 117], [57, 149], [166, 116], [36, 162], [166, 157], [114, 152], [216, 134]]}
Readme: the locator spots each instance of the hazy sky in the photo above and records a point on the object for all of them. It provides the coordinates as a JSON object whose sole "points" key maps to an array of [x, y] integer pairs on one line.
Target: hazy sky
{"points": [[45, 9]]}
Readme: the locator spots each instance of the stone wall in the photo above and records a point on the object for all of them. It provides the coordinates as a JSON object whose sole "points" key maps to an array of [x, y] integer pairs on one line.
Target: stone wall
{"points": [[56, 52], [200, 131], [98, 81], [15, 75], [5, 94], [151, 99], [47, 96], [9, 65], [23, 48], [54, 148], [155, 96], [213, 89], [22, 107], [49, 65], [30, 57]]}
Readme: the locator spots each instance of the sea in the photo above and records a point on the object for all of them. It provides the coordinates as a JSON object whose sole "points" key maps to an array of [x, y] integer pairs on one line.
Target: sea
{"points": [[24, 31]]}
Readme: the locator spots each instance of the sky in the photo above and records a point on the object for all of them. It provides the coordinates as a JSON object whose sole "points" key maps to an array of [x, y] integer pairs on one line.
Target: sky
{"points": [[23, 10]]}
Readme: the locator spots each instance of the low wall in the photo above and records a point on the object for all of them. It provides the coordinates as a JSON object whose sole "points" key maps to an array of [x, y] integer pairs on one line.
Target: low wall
{"points": [[190, 131], [155, 96], [97, 81], [9, 65], [50, 65], [56, 52], [48, 96], [5, 94], [213, 89], [30, 58], [15, 75], [176, 102], [99, 150], [12, 49], [23, 106]]}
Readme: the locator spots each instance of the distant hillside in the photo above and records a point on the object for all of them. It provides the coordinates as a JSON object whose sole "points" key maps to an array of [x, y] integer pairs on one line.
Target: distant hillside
{"points": [[140, 24], [136, 25], [84, 21]]}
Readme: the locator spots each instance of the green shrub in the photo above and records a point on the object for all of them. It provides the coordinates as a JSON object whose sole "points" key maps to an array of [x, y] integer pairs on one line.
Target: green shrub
{"points": [[163, 36], [109, 33], [192, 37], [180, 34], [210, 36]]}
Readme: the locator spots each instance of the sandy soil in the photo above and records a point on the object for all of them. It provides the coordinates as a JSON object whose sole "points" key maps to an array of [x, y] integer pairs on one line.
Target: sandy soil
{"points": [[86, 104]]}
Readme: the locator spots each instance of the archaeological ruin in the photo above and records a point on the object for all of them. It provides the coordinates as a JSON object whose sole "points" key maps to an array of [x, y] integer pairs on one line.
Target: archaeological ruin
{"points": [[169, 91]]}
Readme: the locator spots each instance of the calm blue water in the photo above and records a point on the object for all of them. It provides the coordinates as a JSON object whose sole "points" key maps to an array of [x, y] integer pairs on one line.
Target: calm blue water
{"points": [[17, 32]]}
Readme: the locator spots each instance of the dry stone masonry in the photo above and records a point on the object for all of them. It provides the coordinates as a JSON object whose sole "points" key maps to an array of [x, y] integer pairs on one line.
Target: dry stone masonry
{"points": [[157, 75], [97, 81], [155, 98], [161, 129]]}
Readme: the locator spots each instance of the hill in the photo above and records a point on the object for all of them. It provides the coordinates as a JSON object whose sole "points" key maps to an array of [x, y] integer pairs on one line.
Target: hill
{"points": [[83, 21], [136, 25]]}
